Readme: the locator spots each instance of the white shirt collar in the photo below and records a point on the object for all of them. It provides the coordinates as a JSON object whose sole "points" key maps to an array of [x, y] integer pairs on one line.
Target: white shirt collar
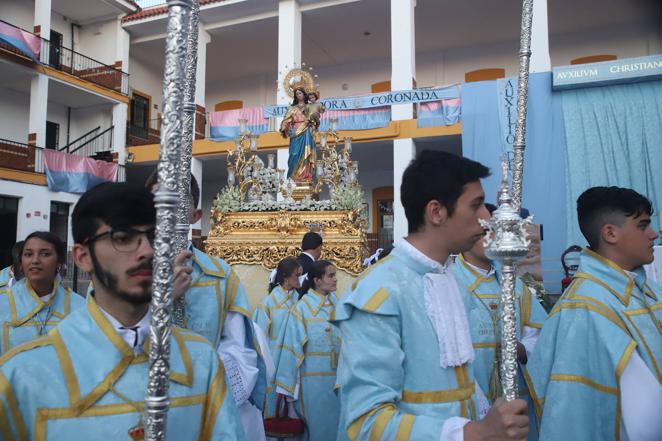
{"points": [[444, 307], [411, 251], [481, 271], [127, 334]]}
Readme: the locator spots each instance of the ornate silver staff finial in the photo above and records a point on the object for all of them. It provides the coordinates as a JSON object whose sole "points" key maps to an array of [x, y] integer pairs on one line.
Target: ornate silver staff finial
{"points": [[188, 135], [507, 241], [166, 201]]}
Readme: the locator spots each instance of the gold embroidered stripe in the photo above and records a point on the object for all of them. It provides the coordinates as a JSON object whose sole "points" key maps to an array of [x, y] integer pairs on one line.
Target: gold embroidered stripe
{"points": [[5, 430], [67, 367], [586, 381], [319, 374], [376, 300], [620, 367], [354, 429], [438, 396], [609, 315], [381, 421], [205, 283], [406, 424], [484, 345], [537, 404], [215, 399], [7, 392]]}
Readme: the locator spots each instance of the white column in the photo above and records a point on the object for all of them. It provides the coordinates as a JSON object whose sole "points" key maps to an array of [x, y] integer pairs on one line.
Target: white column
{"points": [[404, 150], [39, 84], [42, 17], [403, 53], [289, 56], [120, 117], [403, 73], [196, 169], [540, 59], [120, 110], [38, 108], [289, 41], [200, 76], [122, 45], [203, 39]]}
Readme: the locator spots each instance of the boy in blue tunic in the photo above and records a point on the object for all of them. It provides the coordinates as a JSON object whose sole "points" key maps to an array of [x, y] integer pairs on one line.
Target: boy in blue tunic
{"points": [[87, 378], [479, 279], [405, 370], [595, 370]]}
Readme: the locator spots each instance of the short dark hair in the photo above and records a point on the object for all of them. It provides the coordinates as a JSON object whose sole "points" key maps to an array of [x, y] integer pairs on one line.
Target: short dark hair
{"points": [[316, 271], [153, 179], [599, 206], [119, 205], [436, 175], [310, 241], [285, 269], [59, 246]]}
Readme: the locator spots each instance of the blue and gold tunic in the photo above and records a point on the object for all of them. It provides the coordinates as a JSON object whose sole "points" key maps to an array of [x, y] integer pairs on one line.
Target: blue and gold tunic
{"points": [[24, 316], [82, 381], [271, 315], [215, 291], [482, 296], [392, 386], [604, 316], [308, 360]]}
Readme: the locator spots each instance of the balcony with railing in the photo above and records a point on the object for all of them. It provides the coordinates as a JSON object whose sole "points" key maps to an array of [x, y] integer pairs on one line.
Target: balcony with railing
{"points": [[20, 156], [94, 144], [26, 44], [143, 133], [23, 157]]}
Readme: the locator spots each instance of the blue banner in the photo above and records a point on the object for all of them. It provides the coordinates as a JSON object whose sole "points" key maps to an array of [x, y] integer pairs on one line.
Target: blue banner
{"points": [[629, 70], [378, 100], [483, 114]]}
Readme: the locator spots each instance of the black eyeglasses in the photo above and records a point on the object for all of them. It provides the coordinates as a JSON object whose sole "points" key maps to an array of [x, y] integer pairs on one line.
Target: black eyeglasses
{"points": [[127, 240]]}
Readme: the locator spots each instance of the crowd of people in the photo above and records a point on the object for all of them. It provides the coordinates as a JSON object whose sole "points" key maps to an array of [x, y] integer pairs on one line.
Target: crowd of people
{"points": [[409, 352]]}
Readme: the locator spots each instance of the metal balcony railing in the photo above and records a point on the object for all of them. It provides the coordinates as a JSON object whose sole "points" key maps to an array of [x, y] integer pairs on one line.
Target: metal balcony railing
{"points": [[101, 142], [74, 63], [153, 127], [82, 139]]}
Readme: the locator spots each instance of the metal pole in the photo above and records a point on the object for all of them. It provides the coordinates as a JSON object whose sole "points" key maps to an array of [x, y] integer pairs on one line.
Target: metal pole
{"points": [[509, 242], [166, 201], [522, 102], [183, 211]]}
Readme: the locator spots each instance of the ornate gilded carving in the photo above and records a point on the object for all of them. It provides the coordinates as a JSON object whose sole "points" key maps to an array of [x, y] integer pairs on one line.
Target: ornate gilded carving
{"points": [[265, 238]]}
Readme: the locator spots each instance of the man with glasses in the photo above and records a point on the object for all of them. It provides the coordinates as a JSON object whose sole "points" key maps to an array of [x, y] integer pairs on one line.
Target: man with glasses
{"points": [[89, 375]]}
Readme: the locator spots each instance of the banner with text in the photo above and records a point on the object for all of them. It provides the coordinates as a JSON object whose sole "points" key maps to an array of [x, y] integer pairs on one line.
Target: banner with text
{"points": [[629, 70], [378, 100]]}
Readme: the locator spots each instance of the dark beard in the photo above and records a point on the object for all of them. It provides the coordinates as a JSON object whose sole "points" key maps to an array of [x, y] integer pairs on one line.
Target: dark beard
{"points": [[109, 281]]}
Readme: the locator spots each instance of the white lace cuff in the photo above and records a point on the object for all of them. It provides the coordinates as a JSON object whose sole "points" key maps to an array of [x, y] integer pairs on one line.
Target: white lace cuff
{"points": [[235, 380]]}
